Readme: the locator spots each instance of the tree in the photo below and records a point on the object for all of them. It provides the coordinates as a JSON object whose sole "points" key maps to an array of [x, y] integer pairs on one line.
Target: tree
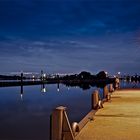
{"points": [[85, 75], [101, 75]]}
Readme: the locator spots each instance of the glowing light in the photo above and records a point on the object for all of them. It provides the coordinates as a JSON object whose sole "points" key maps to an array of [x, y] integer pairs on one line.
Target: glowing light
{"points": [[21, 96], [44, 75], [119, 73], [43, 90], [106, 72], [33, 78], [58, 89]]}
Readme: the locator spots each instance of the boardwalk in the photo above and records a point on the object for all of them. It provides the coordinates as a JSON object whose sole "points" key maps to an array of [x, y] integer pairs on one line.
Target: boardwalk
{"points": [[118, 120]]}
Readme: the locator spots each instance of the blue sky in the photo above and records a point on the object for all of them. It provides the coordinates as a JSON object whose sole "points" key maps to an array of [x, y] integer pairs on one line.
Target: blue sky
{"points": [[70, 35]]}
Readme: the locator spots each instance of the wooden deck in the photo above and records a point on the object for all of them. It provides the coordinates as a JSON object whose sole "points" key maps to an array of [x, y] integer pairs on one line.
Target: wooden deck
{"points": [[118, 120]]}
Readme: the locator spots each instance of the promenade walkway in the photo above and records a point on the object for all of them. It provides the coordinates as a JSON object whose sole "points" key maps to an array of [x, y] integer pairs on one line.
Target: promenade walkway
{"points": [[118, 120]]}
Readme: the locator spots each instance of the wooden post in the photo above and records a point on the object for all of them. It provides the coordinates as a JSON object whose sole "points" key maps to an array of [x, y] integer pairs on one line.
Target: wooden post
{"points": [[105, 92], [57, 122], [60, 126], [117, 83], [95, 99], [111, 89]]}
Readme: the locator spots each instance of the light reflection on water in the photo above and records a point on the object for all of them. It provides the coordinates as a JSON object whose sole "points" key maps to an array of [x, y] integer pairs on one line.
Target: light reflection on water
{"points": [[26, 115], [130, 84], [25, 111]]}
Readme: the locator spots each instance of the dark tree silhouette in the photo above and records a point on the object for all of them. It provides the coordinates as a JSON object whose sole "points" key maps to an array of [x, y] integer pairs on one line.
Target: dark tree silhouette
{"points": [[101, 75]]}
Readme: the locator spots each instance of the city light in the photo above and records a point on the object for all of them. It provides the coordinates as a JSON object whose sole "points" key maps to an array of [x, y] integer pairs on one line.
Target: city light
{"points": [[119, 73], [44, 75]]}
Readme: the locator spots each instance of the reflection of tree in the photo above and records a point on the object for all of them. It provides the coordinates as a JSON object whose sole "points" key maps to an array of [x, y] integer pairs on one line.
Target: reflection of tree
{"points": [[101, 75], [86, 80], [99, 84], [85, 85], [82, 85]]}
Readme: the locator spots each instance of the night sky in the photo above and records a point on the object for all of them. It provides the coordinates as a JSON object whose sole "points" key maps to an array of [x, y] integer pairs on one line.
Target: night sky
{"points": [[66, 36]]}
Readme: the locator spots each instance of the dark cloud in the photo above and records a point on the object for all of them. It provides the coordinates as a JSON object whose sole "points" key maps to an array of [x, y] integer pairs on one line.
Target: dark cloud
{"points": [[36, 18], [69, 55], [70, 34]]}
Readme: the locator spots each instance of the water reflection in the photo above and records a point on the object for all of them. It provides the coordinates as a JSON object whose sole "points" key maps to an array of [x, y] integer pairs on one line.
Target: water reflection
{"points": [[21, 92], [130, 83], [58, 88], [43, 88], [84, 85], [30, 119]]}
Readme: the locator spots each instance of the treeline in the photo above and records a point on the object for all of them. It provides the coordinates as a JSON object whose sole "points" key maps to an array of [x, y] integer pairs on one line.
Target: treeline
{"points": [[15, 77], [83, 76], [86, 80]]}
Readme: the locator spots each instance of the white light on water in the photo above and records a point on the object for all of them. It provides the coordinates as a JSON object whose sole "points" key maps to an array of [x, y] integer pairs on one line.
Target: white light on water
{"points": [[21, 96], [43, 90], [58, 89]]}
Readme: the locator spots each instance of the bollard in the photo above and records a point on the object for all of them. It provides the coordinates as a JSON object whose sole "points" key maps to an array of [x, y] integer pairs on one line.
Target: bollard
{"points": [[108, 97], [60, 126], [57, 120], [96, 102], [105, 92], [111, 89], [117, 81], [116, 84]]}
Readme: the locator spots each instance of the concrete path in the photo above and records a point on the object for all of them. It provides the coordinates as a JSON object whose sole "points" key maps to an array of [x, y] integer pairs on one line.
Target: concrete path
{"points": [[118, 120]]}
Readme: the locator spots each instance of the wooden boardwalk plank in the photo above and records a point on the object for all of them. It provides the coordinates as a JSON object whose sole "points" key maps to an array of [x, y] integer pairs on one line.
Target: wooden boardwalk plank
{"points": [[118, 120]]}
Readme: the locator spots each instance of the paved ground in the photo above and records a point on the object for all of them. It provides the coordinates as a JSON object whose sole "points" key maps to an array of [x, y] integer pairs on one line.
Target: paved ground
{"points": [[118, 120]]}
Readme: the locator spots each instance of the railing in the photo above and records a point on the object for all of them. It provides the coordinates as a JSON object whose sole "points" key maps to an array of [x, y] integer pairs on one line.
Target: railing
{"points": [[60, 125]]}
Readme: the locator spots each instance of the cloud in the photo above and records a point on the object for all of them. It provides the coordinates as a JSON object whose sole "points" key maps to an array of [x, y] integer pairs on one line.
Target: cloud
{"points": [[61, 18], [110, 53], [69, 35]]}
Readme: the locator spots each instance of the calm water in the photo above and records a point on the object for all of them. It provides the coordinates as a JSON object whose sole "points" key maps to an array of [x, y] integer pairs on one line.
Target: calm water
{"points": [[27, 117], [131, 84]]}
